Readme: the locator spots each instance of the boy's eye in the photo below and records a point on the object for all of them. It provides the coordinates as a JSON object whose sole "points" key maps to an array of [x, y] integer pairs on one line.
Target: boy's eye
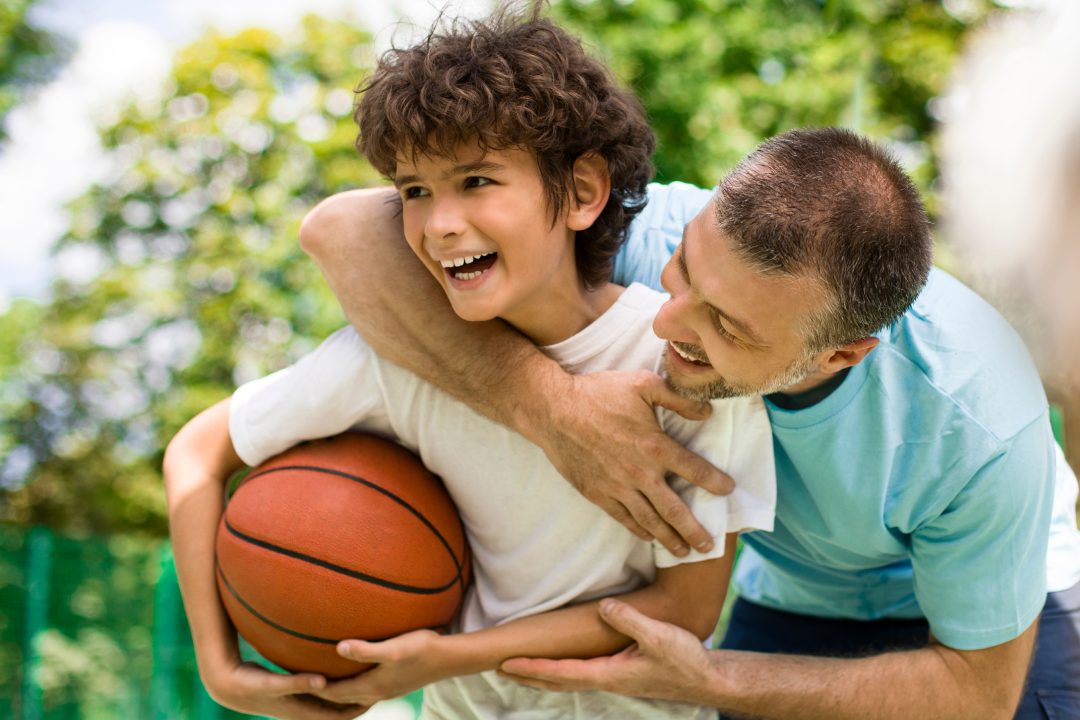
{"points": [[413, 191], [476, 181]]}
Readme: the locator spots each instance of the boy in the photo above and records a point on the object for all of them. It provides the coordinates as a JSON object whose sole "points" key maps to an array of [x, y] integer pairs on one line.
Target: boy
{"points": [[518, 164]]}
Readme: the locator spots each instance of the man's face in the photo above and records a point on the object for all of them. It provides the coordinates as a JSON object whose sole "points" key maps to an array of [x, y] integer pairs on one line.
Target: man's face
{"points": [[732, 330]]}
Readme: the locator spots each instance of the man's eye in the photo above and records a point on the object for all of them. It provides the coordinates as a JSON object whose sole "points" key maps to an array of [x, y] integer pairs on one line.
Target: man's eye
{"points": [[718, 324]]}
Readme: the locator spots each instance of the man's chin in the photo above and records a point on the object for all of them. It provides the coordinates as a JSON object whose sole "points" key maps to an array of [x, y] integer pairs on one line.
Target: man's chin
{"points": [[717, 389]]}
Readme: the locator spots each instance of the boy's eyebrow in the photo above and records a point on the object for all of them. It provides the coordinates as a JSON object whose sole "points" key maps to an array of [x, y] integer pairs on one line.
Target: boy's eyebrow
{"points": [[680, 260], [472, 167], [477, 166]]}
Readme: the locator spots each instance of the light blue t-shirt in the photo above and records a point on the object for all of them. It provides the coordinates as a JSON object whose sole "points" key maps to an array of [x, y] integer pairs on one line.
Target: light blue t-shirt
{"points": [[927, 484]]}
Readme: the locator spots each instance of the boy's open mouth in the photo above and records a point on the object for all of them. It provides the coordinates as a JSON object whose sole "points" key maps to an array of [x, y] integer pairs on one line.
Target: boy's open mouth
{"points": [[469, 268]]}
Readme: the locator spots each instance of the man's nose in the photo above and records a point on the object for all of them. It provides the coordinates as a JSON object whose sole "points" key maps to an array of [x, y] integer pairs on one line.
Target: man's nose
{"points": [[672, 320]]}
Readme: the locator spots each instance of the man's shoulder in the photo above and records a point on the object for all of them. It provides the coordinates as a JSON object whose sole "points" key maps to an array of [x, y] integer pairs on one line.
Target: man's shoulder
{"points": [[954, 349], [673, 203]]}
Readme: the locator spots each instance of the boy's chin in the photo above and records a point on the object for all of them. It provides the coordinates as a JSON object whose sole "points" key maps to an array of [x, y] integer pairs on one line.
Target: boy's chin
{"points": [[474, 314]]}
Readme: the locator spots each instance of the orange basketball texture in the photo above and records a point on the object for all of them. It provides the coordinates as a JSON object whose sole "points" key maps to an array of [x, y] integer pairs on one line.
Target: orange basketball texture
{"points": [[347, 537]]}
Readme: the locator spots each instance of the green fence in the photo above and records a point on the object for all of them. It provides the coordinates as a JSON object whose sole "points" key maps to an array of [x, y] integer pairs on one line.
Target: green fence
{"points": [[93, 628]]}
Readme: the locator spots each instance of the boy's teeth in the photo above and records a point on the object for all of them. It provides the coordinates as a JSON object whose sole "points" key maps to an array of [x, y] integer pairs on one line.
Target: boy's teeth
{"points": [[458, 262], [468, 275]]}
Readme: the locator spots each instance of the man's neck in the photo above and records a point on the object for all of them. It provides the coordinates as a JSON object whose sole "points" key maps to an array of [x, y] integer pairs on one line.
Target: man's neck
{"points": [[806, 393]]}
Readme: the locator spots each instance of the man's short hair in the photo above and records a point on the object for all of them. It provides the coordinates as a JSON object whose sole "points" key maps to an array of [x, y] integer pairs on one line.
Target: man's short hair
{"points": [[829, 204], [514, 81]]}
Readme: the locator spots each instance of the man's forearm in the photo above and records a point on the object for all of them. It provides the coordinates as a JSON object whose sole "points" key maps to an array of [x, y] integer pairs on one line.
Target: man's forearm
{"points": [[399, 309], [931, 683], [600, 432]]}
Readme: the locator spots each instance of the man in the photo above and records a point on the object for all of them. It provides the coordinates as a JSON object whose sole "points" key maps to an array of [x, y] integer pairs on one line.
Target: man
{"points": [[917, 476]]}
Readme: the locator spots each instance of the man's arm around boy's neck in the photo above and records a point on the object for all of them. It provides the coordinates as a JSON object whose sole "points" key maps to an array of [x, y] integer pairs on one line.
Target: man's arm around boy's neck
{"points": [[599, 431]]}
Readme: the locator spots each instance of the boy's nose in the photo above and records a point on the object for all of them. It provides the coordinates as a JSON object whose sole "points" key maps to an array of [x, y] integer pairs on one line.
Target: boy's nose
{"points": [[445, 219]]}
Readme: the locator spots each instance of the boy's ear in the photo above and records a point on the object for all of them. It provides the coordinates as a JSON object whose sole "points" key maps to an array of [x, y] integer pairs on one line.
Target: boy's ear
{"points": [[592, 186]]}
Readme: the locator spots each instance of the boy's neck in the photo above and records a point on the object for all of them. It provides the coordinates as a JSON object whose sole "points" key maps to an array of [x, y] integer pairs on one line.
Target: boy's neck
{"points": [[561, 315]]}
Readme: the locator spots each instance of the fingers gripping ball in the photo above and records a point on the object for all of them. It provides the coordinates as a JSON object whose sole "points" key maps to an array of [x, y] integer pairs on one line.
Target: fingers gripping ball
{"points": [[348, 537]]}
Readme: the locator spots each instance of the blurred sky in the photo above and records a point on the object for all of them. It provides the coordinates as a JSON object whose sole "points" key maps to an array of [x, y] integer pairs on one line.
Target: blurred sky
{"points": [[123, 48]]}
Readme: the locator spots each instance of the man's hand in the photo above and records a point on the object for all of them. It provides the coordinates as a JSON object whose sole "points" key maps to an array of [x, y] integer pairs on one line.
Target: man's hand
{"points": [[666, 662], [933, 682], [252, 689], [405, 663], [603, 436]]}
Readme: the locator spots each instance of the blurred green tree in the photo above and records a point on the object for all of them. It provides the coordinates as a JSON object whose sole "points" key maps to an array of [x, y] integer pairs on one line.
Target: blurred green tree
{"points": [[180, 275], [719, 76], [29, 55]]}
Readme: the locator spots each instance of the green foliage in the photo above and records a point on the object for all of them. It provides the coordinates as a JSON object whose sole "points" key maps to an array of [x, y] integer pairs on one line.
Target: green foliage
{"points": [[29, 56], [180, 274], [719, 76]]}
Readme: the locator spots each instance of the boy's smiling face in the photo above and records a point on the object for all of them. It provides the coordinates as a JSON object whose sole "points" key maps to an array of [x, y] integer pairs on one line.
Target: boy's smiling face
{"points": [[480, 223]]}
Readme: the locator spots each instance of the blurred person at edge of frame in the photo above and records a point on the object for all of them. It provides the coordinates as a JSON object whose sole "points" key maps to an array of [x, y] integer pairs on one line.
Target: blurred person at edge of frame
{"points": [[1012, 178]]}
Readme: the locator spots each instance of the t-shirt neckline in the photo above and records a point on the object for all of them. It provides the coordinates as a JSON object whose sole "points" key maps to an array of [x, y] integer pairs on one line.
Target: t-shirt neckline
{"points": [[836, 401]]}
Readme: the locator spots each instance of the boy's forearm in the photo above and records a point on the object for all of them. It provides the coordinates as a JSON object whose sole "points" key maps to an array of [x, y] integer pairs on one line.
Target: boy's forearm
{"points": [[570, 632], [399, 309], [198, 462], [692, 601]]}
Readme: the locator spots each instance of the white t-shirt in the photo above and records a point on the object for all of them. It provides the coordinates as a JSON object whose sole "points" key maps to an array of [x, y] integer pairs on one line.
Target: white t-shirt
{"points": [[537, 544]]}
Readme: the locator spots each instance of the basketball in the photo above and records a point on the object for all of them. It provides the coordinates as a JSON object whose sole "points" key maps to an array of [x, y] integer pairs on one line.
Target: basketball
{"points": [[347, 537]]}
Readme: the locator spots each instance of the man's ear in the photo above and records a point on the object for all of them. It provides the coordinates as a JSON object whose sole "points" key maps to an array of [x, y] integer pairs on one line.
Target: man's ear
{"points": [[592, 186], [848, 355]]}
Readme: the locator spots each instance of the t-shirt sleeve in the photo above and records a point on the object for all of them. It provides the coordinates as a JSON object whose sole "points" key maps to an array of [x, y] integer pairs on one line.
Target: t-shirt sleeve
{"points": [[325, 393], [737, 439], [980, 566], [656, 232]]}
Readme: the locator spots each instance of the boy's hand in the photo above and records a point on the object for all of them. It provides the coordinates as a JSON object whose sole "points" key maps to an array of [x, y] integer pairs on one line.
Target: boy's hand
{"points": [[602, 435], [252, 689], [405, 663]]}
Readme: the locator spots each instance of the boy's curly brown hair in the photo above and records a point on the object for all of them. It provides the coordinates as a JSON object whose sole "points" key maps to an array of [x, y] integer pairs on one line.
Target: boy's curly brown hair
{"points": [[514, 81]]}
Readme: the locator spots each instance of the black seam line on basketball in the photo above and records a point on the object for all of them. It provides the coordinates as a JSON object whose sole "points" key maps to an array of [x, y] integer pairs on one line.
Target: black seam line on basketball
{"points": [[268, 621], [282, 628], [389, 584], [458, 564]]}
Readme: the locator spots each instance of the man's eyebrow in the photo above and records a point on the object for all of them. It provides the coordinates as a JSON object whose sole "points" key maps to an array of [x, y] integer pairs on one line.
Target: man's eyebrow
{"points": [[742, 327], [468, 168]]}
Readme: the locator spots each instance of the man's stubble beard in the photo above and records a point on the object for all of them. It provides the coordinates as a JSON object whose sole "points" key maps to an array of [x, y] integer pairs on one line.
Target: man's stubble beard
{"points": [[721, 388]]}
